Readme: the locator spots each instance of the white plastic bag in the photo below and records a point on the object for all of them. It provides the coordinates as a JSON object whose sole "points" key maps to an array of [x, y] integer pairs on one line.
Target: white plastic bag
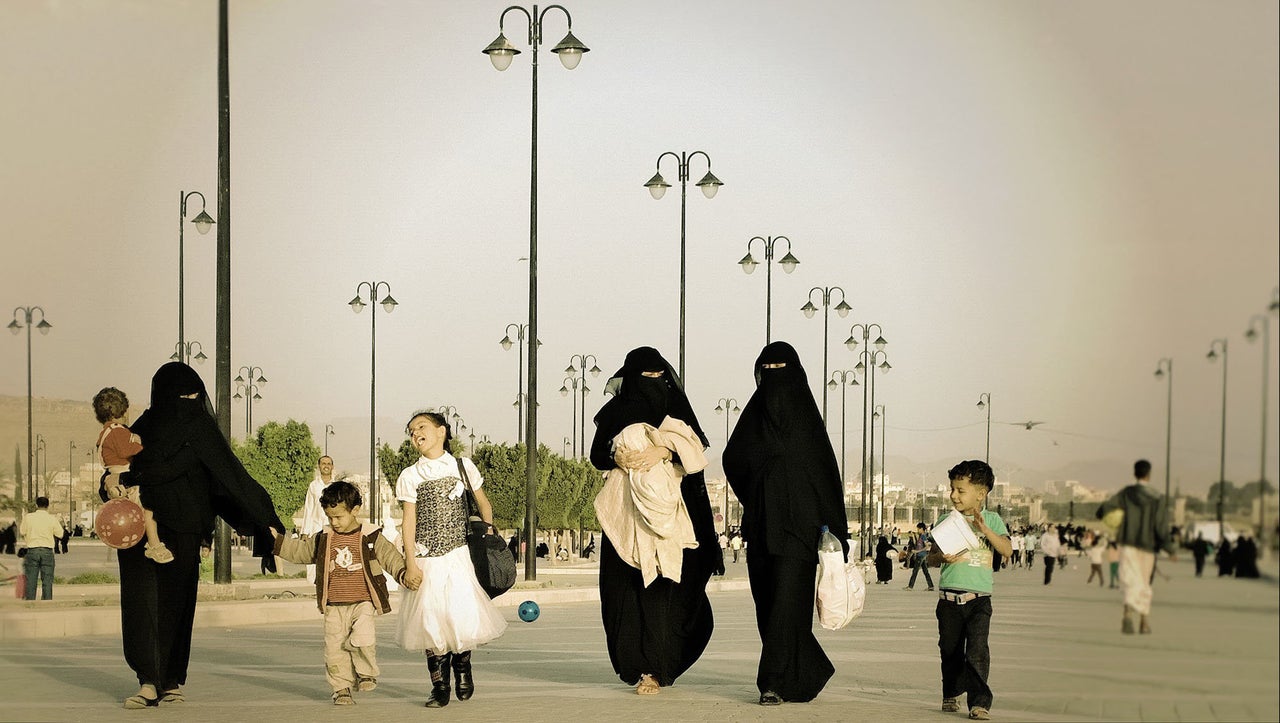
{"points": [[841, 590]]}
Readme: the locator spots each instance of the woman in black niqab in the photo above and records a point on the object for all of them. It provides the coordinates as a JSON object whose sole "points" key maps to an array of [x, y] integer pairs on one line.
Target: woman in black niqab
{"points": [[781, 466], [187, 474], [661, 630]]}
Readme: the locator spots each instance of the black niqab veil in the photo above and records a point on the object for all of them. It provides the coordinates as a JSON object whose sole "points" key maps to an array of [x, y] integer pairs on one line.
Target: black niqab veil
{"points": [[780, 463], [186, 468], [638, 398]]}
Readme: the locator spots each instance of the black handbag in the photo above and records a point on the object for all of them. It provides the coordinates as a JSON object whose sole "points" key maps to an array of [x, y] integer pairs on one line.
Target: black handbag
{"points": [[494, 565]]}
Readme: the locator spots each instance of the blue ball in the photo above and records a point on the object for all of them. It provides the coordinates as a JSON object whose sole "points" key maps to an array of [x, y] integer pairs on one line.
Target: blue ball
{"points": [[529, 611]]}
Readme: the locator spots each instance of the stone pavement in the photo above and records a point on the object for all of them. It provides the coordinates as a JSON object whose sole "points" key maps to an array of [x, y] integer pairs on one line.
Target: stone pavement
{"points": [[1057, 655]]}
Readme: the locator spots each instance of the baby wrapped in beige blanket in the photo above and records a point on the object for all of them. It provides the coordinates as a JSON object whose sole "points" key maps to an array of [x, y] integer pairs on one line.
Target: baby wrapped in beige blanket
{"points": [[642, 512]]}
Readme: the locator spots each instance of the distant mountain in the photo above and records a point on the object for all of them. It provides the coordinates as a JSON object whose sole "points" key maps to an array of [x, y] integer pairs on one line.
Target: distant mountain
{"points": [[59, 422]]}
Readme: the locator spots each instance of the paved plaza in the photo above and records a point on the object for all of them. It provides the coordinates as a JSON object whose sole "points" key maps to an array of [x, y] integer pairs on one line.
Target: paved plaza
{"points": [[1057, 655]]}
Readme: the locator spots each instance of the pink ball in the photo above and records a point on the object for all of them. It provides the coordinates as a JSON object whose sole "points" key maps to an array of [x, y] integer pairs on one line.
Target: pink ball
{"points": [[119, 524]]}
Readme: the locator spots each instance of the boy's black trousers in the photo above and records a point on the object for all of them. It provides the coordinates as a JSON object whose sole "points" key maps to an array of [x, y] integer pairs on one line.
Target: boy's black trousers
{"points": [[966, 657]]}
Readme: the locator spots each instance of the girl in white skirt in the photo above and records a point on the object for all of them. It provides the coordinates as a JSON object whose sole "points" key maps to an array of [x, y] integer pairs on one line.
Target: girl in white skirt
{"points": [[448, 614]]}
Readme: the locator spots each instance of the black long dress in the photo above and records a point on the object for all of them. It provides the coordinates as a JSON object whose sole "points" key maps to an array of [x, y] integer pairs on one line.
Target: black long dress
{"points": [[187, 474], [659, 630], [884, 563], [780, 464]]}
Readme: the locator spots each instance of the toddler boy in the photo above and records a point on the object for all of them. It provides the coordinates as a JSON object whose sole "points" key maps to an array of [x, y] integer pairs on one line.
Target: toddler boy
{"points": [[350, 587], [964, 605], [117, 446]]}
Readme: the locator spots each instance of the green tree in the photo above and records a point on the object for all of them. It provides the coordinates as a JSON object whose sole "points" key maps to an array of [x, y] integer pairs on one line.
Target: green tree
{"points": [[391, 462], [281, 457], [503, 468]]}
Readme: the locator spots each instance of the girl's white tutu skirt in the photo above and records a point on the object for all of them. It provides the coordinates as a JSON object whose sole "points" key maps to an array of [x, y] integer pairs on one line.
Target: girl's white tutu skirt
{"points": [[449, 612]]}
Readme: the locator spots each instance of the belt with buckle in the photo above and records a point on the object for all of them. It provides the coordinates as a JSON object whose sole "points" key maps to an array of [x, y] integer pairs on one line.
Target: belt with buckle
{"points": [[960, 598]]}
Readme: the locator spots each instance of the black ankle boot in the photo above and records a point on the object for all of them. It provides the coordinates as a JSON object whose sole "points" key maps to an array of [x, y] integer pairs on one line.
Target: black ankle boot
{"points": [[466, 685], [438, 666]]}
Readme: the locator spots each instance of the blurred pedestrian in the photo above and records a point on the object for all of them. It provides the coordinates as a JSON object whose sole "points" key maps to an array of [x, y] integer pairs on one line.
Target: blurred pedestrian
{"points": [[1050, 549], [40, 532], [884, 563], [919, 551], [1200, 551], [313, 516], [1225, 557], [1096, 552], [1142, 534]]}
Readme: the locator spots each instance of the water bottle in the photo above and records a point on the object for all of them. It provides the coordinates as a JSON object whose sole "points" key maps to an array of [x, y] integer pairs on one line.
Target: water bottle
{"points": [[829, 542]]}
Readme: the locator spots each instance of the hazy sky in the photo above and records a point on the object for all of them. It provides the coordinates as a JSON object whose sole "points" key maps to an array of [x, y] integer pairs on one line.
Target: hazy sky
{"points": [[1037, 200]]}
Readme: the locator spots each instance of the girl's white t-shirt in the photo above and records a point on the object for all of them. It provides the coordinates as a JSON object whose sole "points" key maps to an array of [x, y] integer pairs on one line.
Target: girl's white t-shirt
{"points": [[443, 466]]}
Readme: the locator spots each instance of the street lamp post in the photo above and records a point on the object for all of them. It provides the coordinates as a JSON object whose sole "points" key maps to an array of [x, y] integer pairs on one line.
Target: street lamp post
{"points": [[500, 53], [247, 388], [749, 263], [882, 415], [728, 406], [1165, 367], [1222, 458], [186, 352], [71, 476], [657, 187], [1264, 322], [567, 388], [328, 432], [809, 310], [874, 359], [843, 378], [864, 332], [578, 365], [388, 304], [42, 477], [26, 319], [202, 221], [984, 402], [521, 330]]}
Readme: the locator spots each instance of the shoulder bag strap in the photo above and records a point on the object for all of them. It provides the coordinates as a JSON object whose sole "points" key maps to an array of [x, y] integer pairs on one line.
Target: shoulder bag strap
{"points": [[472, 508]]}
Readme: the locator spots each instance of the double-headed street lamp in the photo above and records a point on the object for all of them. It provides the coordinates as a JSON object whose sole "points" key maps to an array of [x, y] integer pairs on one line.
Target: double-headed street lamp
{"points": [[500, 53], [578, 365], [1164, 369], [749, 263], [728, 406], [328, 432], [203, 222], [1222, 458], [20, 320], [873, 359], [883, 416], [186, 352], [1263, 322], [389, 304], [521, 330], [842, 378], [863, 332], [247, 388], [657, 187], [984, 402], [809, 310], [572, 388]]}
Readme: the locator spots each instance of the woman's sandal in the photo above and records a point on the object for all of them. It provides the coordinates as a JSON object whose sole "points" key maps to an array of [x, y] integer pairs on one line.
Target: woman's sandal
{"points": [[647, 685], [138, 701], [172, 696]]}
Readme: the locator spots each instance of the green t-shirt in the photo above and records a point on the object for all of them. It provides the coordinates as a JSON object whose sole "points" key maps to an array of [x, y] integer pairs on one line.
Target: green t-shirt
{"points": [[975, 573]]}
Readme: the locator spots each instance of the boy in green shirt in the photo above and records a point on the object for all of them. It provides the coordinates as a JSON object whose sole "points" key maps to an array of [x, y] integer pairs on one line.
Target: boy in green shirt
{"points": [[964, 604]]}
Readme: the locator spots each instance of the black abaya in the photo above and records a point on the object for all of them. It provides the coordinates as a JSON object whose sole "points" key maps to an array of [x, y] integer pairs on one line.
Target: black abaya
{"points": [[780, 464], [660, 630], [884, 563], [187, 474]]}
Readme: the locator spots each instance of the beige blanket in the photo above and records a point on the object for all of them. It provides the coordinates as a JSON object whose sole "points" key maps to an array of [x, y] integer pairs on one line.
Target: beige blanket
{"points": [[642, 512]]}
